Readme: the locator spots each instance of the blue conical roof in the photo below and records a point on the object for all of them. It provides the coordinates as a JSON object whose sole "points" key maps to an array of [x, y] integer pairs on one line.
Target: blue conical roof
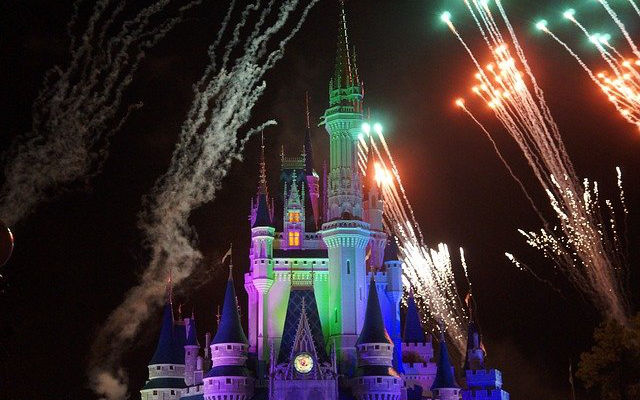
{"points": [[373, 330], [230, 329], [413, 332], [444, 376], [263, 216], [169, 342], [192, 334]]}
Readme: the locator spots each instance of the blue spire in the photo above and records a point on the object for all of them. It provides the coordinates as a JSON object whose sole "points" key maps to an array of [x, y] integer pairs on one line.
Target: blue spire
{"points": [[444, 376], [166, 350], [413, 332], [263, 216], [373, 330], [230, 329], [192, 334]]}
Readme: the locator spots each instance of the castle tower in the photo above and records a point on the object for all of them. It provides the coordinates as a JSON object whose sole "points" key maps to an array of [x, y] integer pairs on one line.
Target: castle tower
{"points": [[375, 378], [393, 293], [167, 366], [417, 354], [343, 122], [444, 386], [344, 233], [259, 280], [482, 383], [193, 363], [229, 377]]}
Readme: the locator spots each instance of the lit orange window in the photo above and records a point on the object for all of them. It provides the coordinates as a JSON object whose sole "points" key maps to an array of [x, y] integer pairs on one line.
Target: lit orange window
{"points": [[294, 216], [294, 238]]}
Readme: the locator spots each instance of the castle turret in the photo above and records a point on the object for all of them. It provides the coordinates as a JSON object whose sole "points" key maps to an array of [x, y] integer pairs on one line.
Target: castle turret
{"points": [[444, 386], [417, 354], [482, 383], [229, 376], [167, 366], [375, 376], [192, 374], [259, 280], [345, 234]]}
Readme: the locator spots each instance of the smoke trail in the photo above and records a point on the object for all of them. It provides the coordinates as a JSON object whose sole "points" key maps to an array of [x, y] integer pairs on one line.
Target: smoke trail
{"points": [[80, 107], [210, 140], [585, 244]]}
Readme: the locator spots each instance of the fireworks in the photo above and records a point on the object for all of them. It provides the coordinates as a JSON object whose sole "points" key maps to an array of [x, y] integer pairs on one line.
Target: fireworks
{"points": [[620, 80], [583, 245], [428, 272]]}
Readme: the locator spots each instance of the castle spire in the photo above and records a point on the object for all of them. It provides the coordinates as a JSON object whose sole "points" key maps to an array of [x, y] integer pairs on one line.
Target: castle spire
{"points": [[373, 330], [444, 375], [230, 329], [262, 187], [343, 75], [413, 332], [308, 149]]}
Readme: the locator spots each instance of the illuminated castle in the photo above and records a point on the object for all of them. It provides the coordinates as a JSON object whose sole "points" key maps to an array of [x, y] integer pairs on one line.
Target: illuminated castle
{"points": [[324, 287]]}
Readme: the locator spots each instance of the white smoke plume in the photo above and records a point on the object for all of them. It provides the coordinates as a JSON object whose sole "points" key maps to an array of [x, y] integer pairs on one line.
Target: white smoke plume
{"points": [[212, 136], [80, 106]]}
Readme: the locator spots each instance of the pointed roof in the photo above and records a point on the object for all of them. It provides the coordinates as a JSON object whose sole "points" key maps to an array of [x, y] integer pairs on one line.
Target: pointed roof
{"points": [[413, 332], [344, 75], [165, 350], [373, 330], [192, 334], [304, 340], [302, 305], [230, 329], [262, 212], [444, 375]]}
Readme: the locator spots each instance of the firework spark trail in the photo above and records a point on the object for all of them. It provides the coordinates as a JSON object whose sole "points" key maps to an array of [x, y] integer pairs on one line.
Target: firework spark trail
{"points": [[209, 141], [427, 272], [621, 81], [583, 245], [80, 107]]}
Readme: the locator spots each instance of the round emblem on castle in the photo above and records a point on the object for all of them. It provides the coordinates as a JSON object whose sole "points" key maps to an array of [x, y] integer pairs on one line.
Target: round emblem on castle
{"points": [[303, 363]]}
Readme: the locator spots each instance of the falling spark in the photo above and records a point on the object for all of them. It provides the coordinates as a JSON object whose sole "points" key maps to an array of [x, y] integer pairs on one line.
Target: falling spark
{"points": [[427, 272], [585, 244], [620, 80], [80, 107], [210, 140]]}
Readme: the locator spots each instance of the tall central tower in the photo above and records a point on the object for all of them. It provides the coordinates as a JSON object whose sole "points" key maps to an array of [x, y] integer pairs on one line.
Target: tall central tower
{"points": [[345, 234]]}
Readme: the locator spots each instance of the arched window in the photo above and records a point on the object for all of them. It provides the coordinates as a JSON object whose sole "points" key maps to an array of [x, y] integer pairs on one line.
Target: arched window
{"points": [[348, 267]]}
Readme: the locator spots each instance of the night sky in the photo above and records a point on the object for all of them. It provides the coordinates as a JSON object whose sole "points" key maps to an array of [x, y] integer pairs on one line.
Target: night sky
{"points": [[78, 254]]}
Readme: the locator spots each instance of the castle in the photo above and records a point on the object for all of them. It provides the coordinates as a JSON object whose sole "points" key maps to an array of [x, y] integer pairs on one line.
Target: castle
{"points": [[324, 288]]}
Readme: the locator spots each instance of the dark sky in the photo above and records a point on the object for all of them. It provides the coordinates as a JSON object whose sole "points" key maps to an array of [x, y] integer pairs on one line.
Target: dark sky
{"points": [[78, 254]]}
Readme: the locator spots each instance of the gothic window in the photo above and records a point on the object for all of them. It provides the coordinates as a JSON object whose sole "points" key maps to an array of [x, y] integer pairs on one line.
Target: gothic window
{"points": [[294, 216], [348, 267], [294, 238], [155, 392]]}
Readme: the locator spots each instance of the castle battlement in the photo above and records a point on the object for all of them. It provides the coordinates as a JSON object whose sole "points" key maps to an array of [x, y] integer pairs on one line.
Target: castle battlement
{"points": [[485, 394], [487, 378]]}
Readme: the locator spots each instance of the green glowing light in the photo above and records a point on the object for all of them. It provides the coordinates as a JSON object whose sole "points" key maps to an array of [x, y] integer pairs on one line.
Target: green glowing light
{"points": [[446, 17], [605, 38], [541, 25], [366, 128], [595, 38], [569, 13], [378, 128]]}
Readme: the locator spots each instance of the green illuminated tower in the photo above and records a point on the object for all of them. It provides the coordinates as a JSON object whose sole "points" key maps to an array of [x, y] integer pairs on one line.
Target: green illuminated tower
{"points": [[345, 234]]}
